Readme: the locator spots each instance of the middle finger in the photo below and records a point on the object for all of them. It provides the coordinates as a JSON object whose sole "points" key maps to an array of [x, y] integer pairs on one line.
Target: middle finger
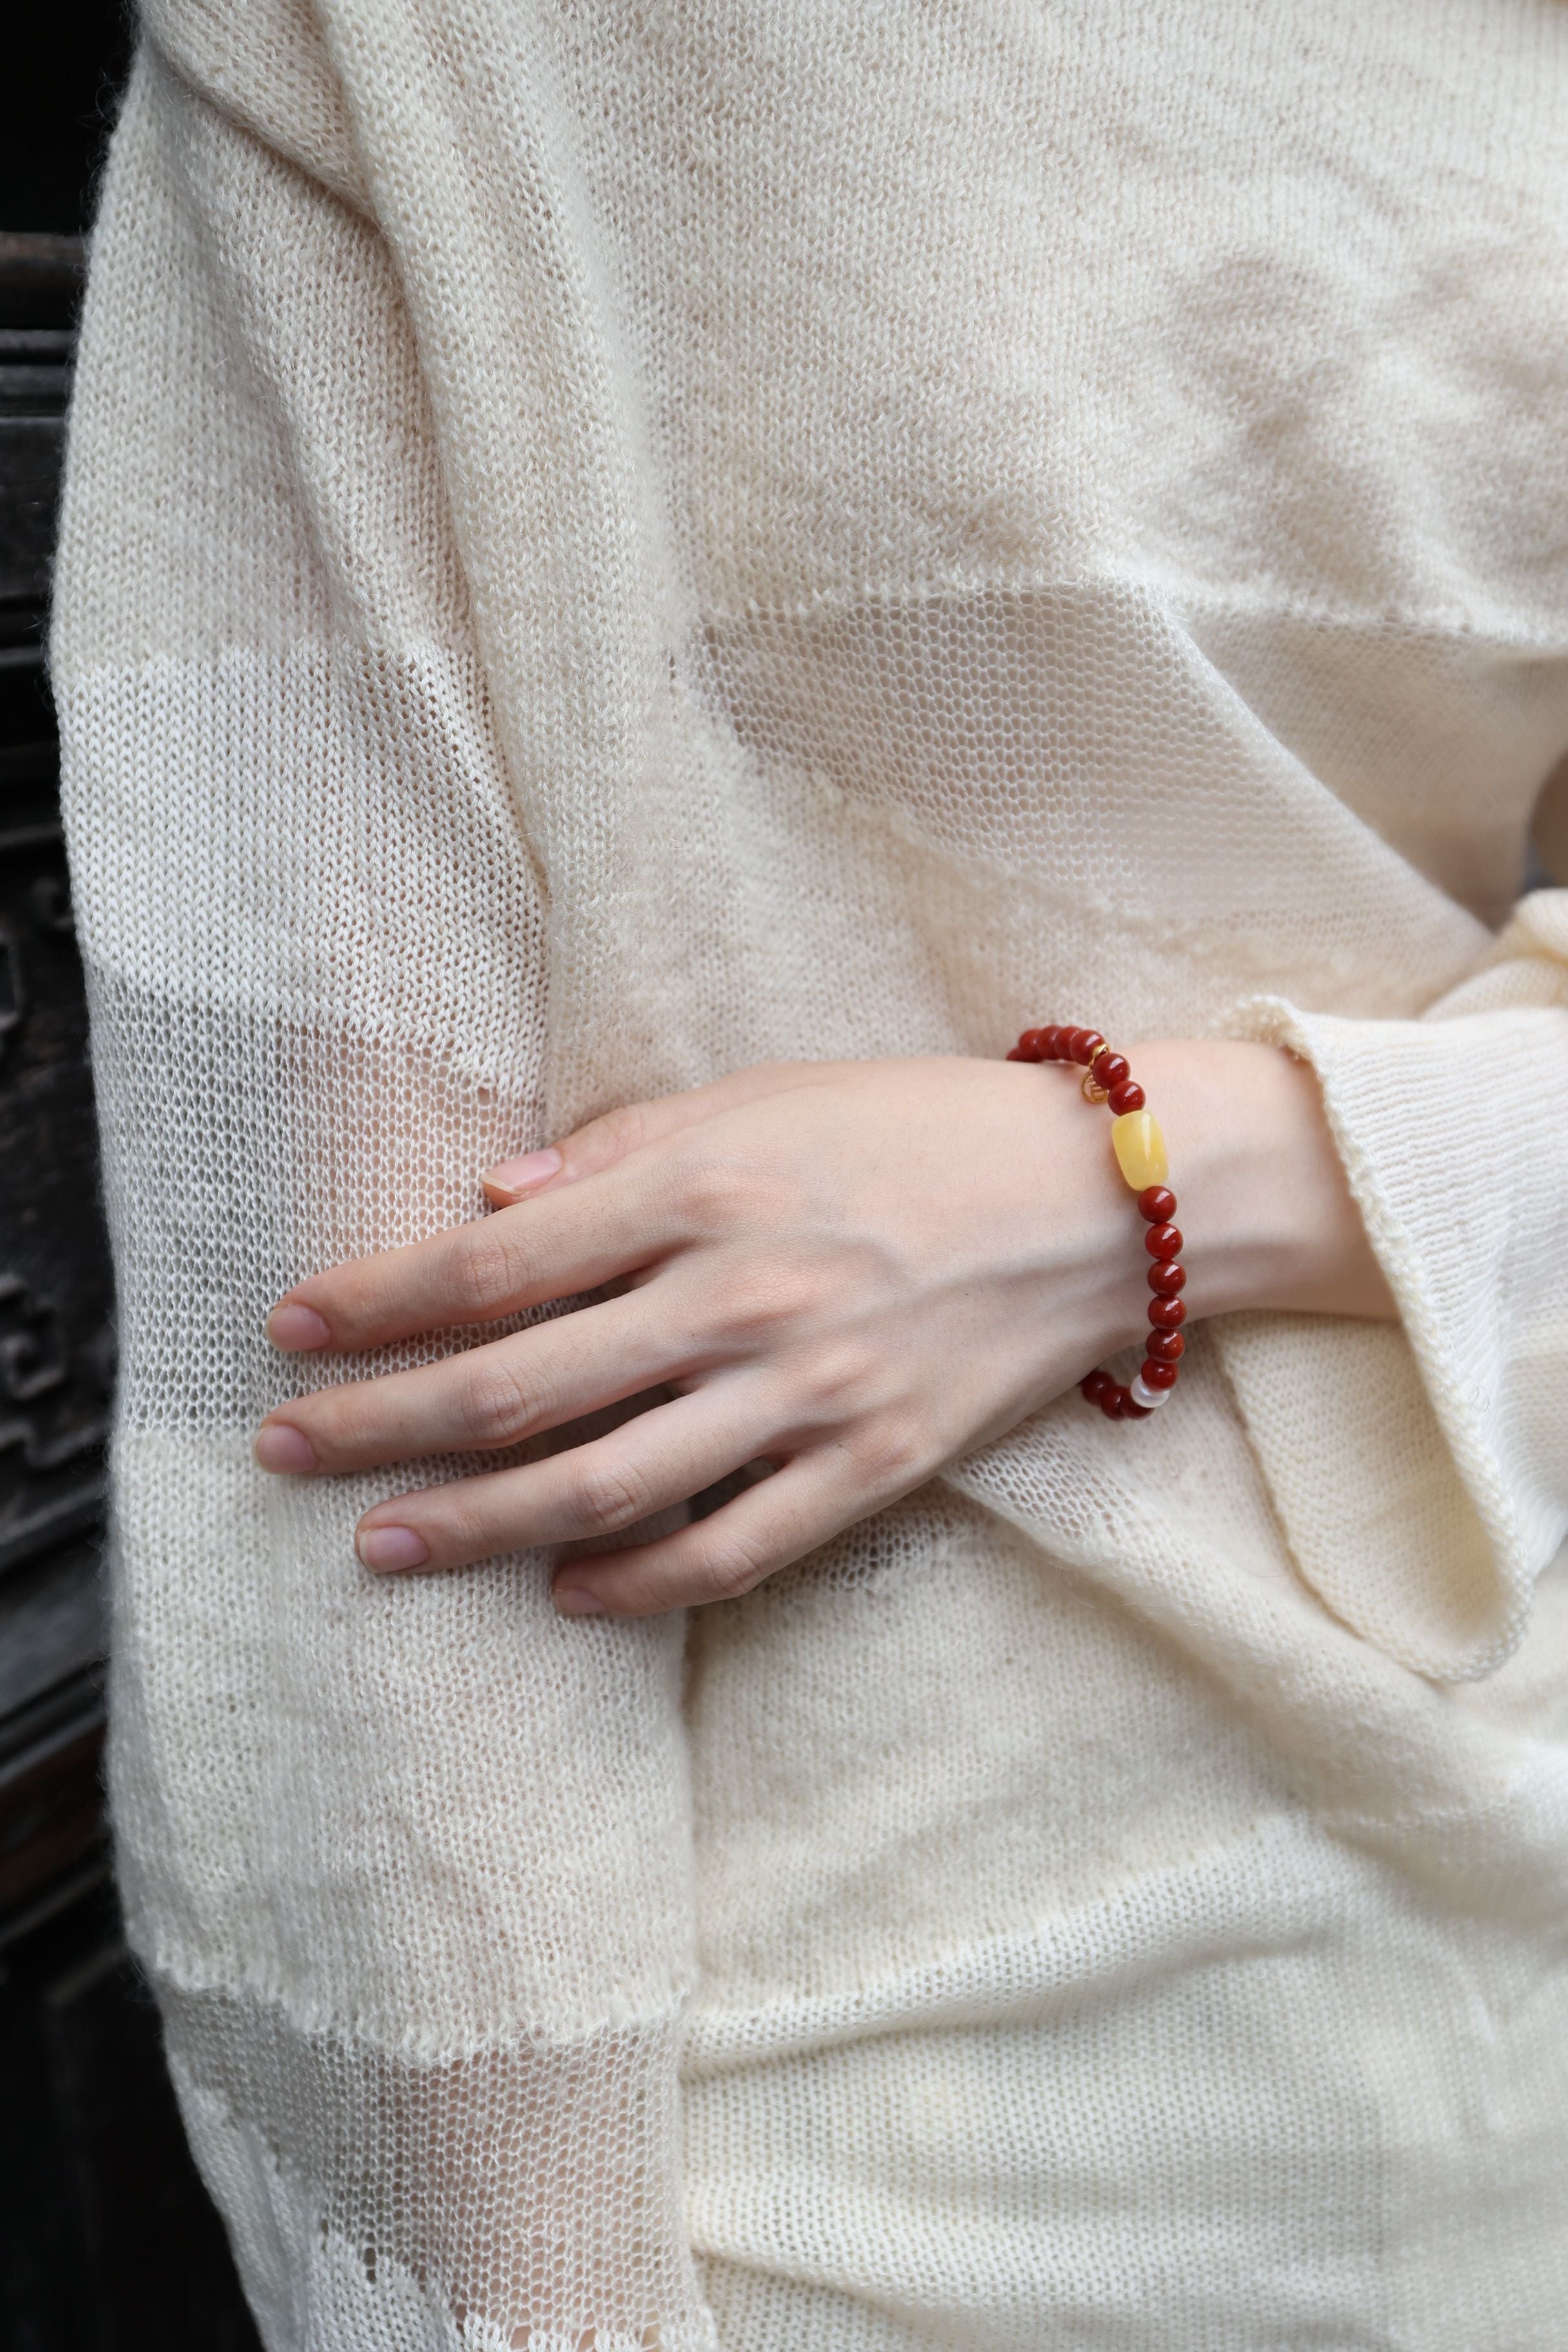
{"points": [[492, 1396]]}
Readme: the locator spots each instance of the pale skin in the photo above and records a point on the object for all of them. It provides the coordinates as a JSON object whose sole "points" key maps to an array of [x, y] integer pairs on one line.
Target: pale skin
{"points": [[853, 1272]]}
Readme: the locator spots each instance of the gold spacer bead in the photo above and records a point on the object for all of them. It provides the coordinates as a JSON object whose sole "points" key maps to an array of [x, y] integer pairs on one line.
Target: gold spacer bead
{"points": [[1092, 1090]]}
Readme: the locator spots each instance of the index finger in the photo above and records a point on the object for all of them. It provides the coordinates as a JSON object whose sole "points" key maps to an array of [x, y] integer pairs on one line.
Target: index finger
{"points": [[616, 1134], [544, 1249]]}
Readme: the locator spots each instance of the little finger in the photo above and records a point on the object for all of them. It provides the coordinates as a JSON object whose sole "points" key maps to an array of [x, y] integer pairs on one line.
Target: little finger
{"points": [[762, 1529]]}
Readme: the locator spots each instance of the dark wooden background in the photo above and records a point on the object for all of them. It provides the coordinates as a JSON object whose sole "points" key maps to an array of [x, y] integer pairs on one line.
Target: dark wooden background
{"points": [[108, 2242]]}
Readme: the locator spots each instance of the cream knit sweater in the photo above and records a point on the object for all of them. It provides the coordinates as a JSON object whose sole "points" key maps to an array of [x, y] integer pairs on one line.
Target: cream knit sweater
{"points": [[610, 540]]}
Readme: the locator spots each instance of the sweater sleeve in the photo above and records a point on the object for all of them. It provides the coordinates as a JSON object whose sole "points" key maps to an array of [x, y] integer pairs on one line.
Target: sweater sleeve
{"points": [[408, 1865], [1421, 1469]]}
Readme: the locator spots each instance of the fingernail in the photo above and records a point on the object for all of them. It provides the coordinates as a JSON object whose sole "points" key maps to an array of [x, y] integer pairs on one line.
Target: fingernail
{"points": [[391, 1548], [296, 1329], [280, 1446], [576, 1600], [522, 1175]]}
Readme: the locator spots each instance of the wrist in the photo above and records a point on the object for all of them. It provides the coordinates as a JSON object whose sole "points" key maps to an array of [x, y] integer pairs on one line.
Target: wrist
{"points": [[1266, 1209]]}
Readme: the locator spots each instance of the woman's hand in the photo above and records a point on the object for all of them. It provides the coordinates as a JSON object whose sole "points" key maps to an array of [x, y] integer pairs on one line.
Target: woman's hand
{"points": [[852, 1273]]}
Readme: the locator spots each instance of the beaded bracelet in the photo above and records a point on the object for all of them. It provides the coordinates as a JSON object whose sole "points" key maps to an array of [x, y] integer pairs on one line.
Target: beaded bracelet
{"points": [[1141, 1155]]}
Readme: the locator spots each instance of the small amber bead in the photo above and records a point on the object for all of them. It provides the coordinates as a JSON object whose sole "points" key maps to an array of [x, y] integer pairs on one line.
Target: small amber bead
{"points": [[1164, 1241], [1139, 1149], [1167, 1278], [1109, 1069], [1158, 1204], [1158, 1375], [1032, 1046], [1128, 1095], [1086, 1044], [1167, 1314], [1166, 1346], [1096, 1385]]}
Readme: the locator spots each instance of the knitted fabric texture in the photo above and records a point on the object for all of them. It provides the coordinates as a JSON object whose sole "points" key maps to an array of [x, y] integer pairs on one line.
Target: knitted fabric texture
{"points": [[607, 540]]}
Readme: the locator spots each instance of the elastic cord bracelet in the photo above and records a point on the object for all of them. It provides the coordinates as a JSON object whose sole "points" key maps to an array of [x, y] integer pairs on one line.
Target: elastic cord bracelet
{"points": [[1141, 1155]]}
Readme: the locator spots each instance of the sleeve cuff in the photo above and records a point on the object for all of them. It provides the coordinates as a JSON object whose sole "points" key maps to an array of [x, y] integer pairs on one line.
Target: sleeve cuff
{"points": [[1418, 1466]]}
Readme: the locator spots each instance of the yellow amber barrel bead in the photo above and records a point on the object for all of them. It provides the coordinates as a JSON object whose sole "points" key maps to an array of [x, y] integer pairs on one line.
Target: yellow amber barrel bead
{"points": [[1139, 1149]]}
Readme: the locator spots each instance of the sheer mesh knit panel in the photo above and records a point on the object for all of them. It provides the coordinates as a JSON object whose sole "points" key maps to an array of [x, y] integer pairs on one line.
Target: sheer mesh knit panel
{"points": [[539, 2187], [610, 540], [420, 1973]]}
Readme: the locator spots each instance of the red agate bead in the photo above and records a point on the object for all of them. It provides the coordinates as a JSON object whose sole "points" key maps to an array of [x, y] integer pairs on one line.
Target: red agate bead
{"points": [[1108, 1069], [1112, 1400], [1157, 1203], [1084, 1044], [1164, 1241], [1096, 1386], [1128, 1095], [1032, 1046], [1052, 1042], [1167, 1314], [1157, 1374], [1166, 1346], [1167, 1277]]}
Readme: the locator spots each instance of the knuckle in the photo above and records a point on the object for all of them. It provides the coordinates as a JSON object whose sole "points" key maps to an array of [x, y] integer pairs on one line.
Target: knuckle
{"points": [[616, 1133], [832, 1377], [335, 1422], [488, 1267], [607, 1497], [716, 1193], [345, 1423], [750, 1303], [465, 1530], [499, 1406], [893, 1451], [727, 1567]]}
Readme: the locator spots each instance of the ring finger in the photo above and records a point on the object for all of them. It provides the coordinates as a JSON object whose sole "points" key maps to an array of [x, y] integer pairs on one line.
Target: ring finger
{"points": [[600, 1489]]}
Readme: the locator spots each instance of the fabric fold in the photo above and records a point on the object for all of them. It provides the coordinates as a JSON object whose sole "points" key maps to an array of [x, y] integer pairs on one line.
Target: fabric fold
{"points": [[409, 1868], [605, 543], [1422, 1470]]}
